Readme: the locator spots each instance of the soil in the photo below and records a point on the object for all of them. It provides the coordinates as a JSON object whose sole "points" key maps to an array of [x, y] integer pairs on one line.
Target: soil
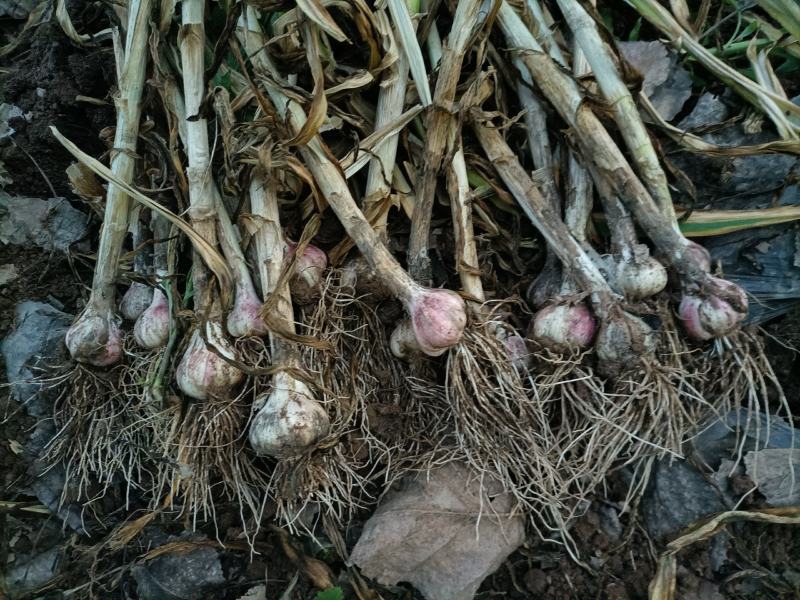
{"points": [[45, 78]]}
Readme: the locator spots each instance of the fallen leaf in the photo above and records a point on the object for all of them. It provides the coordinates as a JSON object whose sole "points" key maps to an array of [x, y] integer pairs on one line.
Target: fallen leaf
{"points": [[666, 83], [444, 534]]}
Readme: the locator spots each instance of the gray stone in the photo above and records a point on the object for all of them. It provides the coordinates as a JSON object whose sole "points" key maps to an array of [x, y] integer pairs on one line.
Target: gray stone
{"points": [[776, 471], [35, 572], [8, 274], [51, 224], [180, 576], [36, 341], [8, 112], [677, 496], [709, 110], [17, 9]]}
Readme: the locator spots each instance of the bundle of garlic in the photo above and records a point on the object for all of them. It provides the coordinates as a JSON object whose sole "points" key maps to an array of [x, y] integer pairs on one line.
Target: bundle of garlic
{"points": [[414, 153]]}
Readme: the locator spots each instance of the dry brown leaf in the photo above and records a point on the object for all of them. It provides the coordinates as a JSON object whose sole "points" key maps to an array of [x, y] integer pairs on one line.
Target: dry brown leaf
{"points": [[441, 533], [315, 11]]}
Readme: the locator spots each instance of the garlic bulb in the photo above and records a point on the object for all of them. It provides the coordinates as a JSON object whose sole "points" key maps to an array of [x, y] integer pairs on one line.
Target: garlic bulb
{"points": [[245, 316], [290, 421], [201, 372], [306, 283], [95, 338], [623, 340], [711, 316], [151, 329], [640, 277], [564, 326], [437, 321], [135, 301]]}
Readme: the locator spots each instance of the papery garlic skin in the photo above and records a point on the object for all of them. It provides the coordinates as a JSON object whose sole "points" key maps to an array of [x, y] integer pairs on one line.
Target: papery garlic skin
{"points": [[95, 337], [151, 329], [201, 373], [564, 326], [135, 301], [290, 422]]}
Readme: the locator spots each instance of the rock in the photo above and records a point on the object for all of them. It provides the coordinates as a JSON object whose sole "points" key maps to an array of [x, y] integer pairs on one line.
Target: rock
{"points": [[692, 587], [17, 9], [709, 110], [677, 496], [441, 533], [36, 341], [741, 182], [7, 113], [180, 575], [35, 572], [666, 83], [51, 224], [720, 440], [8, 273], [775, 471]]}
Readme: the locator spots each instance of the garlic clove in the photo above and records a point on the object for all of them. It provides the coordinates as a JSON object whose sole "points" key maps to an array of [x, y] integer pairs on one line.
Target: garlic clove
{"points": [[135, 301], [202, 373], [290, 421], [95, 338], [564, 326], [151, 329]]}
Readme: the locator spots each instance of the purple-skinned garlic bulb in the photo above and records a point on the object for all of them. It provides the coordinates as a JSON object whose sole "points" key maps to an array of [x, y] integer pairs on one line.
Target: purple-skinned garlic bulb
{"points": [[151, 329], [715, 312], [95, 337], [135, 300], [564, 326], [306, 283], [202, 373], [290, 421], [244, 319], [436, 323]]}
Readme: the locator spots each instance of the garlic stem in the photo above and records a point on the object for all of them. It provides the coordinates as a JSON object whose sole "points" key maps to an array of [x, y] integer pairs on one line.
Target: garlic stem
{"points": [[243, 319], [152, 327], [421, 303], [202, 373], [621, 102], [95, 337], [391, 98], [438, 124], [290, 420]]}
